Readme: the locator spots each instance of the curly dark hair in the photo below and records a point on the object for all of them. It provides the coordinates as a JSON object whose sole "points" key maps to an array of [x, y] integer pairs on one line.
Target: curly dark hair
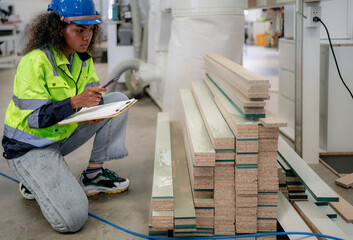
{"points": [[44, 30]]}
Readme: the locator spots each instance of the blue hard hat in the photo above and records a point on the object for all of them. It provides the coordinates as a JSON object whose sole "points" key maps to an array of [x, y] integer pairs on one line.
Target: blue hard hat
{"points": [[77, 11]]}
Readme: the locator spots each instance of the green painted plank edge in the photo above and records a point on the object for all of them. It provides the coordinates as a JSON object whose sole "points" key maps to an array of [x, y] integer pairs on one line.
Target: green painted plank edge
{"points": [[269, 219], [204, 207], [185, 226], [246, 153], [312, 178], [321, 204], [266, 205], [162, 197], [332, 215], [152, 233], [203, 190], [295, 183], [232, 161], [246, 166], [183, 218], [234, 105]]}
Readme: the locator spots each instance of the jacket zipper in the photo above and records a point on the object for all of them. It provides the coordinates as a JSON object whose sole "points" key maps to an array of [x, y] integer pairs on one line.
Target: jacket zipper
{"points": [[79, 75]]}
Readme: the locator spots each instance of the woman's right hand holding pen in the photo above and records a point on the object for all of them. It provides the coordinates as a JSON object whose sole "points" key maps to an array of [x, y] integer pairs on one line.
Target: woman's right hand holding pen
{"points": [[88, 98]]}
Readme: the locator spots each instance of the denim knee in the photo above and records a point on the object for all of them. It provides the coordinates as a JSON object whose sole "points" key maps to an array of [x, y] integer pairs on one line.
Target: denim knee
{"points": [[114, 97], [76, 217]]}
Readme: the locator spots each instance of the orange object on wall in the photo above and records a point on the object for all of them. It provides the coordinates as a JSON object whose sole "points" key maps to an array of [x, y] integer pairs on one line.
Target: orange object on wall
{"points": [[260, 38]]}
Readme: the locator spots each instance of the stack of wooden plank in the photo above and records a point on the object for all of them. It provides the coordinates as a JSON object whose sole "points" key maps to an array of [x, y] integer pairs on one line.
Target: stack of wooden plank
{"points": [[245, 90], [295, 188], [282, 183], [201, 158], [225, 168], [162, 203], [256, 179], [312, 182], [184, 209], [223, 142]]}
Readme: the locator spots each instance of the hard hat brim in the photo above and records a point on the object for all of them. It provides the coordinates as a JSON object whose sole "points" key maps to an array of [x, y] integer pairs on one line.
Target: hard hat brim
{"points": [[88, 21]]}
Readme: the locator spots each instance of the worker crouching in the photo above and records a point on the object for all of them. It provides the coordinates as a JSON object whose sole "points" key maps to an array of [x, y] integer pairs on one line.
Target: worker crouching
{"points": [[54, 79]]}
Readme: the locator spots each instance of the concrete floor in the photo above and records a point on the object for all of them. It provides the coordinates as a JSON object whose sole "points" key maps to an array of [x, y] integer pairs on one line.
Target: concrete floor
{"points": [[22, 219]]}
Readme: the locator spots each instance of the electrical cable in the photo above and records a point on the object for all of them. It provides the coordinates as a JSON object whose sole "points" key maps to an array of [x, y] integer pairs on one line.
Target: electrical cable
{"points": [[317, 19], [216, 237]]}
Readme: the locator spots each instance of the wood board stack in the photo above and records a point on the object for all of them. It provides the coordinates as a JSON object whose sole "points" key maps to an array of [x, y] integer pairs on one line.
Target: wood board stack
{"points": [[201, 158], [184, 210], [162, 203], [244, 89], [223, 142], [256, 179], [295, 188], [282, 183], [321, 192]]}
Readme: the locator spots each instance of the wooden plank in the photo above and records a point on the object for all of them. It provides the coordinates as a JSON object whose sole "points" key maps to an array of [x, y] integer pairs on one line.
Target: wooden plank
{"points": [[163, 220], [162, 188], [344, 209], [152, 231], [346, 181], [241, 127], [233, 93], [217, 128], [329, 167], [317, 220], [246, 77], [290, 219], [260, 92], [184, 210], [201, 145], [273, 122], [247, 112], [314, 184]]}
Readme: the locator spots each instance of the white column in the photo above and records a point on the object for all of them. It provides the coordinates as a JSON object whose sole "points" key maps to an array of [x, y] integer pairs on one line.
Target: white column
{"points": [[310, 88]]}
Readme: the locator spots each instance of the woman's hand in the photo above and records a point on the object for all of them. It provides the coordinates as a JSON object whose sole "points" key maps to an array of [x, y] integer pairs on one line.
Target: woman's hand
{"points": [[88, 98]]}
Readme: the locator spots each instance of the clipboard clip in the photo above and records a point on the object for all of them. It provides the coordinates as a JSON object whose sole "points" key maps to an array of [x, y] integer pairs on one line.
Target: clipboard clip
{"points": [[127, 103]]}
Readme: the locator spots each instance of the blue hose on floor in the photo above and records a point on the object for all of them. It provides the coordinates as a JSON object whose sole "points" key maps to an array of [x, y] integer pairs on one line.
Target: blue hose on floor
{"points": [[217, 237]]}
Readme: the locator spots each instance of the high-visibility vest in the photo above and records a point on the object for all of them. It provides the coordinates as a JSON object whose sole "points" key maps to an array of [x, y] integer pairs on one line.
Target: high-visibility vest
{"points": [[43, 77]]}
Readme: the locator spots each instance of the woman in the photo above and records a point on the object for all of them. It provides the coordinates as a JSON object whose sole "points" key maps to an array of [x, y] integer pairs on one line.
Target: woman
{"points": [[54, 79]]}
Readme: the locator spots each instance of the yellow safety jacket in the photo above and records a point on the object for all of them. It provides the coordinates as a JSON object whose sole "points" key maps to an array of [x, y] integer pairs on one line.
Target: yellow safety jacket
{"points": [[43, 78]]}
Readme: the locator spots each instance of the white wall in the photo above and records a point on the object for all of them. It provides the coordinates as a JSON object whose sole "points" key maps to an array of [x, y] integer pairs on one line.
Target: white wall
{"points": [[336, 14], [28, 9]]}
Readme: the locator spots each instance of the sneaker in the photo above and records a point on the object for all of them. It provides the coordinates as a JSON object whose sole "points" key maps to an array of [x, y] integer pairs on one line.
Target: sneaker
{"points": [[25, 193], [106, 182]]}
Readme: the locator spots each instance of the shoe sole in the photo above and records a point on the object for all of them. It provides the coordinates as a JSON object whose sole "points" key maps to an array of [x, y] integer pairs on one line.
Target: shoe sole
{"points": [[30, 198], [108, 192]]}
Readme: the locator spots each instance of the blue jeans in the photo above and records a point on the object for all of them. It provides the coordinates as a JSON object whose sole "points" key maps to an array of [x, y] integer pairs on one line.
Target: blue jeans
{"points": [[45, 173]]}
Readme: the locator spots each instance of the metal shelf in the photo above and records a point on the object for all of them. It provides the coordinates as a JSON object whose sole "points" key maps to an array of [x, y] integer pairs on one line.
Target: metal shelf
{"points": [[7, 35]]}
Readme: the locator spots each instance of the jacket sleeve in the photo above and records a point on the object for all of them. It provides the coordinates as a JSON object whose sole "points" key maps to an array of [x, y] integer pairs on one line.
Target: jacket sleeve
{"points": [[51, 114], [32, 96]]}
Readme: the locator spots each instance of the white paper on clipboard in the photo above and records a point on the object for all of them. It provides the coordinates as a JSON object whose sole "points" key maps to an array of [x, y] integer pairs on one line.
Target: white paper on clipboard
{"points": [[99, 112]]}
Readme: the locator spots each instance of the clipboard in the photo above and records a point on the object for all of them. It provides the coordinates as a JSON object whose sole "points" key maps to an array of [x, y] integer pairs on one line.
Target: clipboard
{"points": [[99, 112]]}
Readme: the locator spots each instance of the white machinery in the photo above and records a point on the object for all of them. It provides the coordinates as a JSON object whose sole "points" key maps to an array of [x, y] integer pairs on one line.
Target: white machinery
{"points": [[180, 33]]}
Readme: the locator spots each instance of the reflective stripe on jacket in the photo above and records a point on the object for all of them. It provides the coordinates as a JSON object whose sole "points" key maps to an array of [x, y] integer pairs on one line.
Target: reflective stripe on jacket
{"points": [[42, 90]]}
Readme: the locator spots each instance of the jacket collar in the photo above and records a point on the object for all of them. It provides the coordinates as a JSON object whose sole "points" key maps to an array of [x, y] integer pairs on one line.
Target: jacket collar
{"points": [[62, 60]]}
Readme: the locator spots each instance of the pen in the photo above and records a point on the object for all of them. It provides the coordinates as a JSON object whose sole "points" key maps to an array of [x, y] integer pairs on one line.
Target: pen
{"points": [[110, 82]]}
